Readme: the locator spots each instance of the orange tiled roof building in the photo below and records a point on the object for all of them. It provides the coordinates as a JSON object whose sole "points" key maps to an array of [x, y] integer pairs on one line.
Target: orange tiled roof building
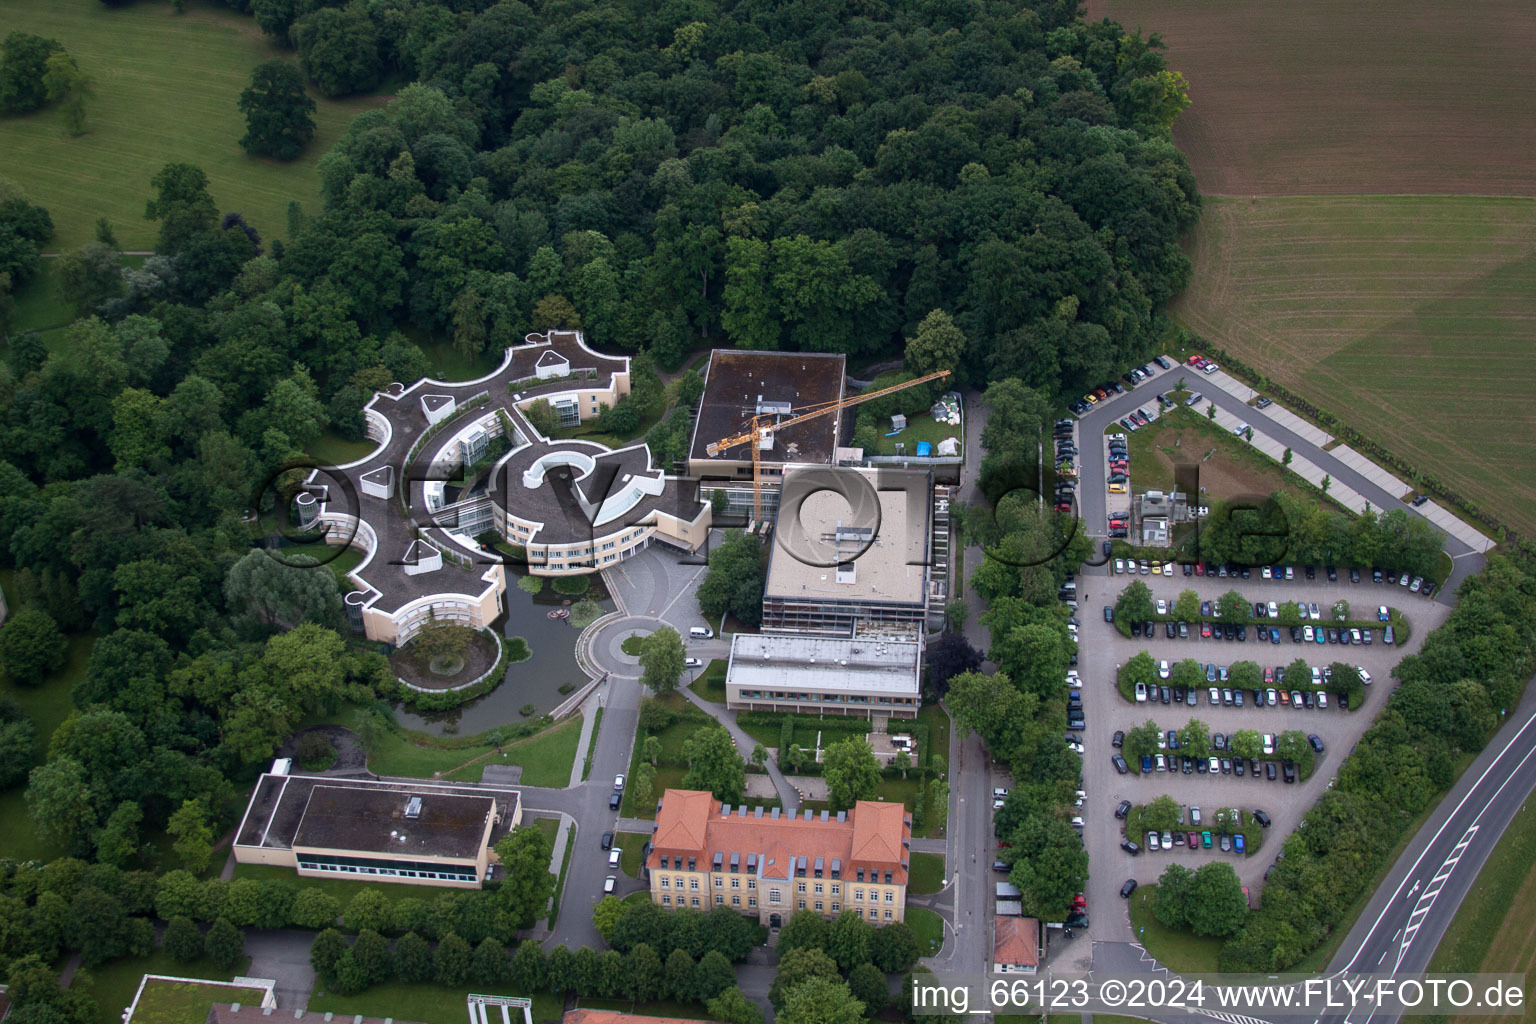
{"points": [[768, 864]]}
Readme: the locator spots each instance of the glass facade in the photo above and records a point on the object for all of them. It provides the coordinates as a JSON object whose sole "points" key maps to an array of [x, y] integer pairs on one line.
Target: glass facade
{"points": [[382, 866]]}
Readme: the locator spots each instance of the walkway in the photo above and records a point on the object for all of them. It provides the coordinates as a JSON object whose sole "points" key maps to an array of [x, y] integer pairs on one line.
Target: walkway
{"points": [[788, 795]]}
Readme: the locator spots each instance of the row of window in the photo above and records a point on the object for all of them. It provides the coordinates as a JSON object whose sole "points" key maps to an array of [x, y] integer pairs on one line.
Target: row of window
{"points": [[824, 698], [438, 874], [735, 879], [819, 905]]}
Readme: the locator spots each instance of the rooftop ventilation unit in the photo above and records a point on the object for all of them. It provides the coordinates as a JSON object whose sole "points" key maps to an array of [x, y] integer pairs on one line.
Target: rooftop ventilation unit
{"points": [[413, 807]]}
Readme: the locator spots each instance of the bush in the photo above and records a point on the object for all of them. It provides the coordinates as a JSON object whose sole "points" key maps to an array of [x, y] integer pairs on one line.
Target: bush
{"points": [[572, 586]]}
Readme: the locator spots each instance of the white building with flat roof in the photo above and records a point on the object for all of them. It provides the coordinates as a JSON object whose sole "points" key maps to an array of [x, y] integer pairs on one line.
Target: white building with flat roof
{"points": [[866, 676], [850, 546]]}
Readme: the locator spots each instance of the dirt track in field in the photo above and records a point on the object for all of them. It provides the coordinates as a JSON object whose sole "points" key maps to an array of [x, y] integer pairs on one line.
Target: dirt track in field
{"points": [[1342, 96]]}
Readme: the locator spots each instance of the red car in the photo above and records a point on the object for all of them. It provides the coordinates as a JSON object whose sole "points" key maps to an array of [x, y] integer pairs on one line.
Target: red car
{"points": [[1196, 360], [1194, 840], [1199, 568]]}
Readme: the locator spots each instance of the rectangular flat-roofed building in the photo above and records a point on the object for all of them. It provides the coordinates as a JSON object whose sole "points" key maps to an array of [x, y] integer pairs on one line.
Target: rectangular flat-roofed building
{"points": [[825, 675], [850, 546], [415, 833], [741, 384], [768, 864]]}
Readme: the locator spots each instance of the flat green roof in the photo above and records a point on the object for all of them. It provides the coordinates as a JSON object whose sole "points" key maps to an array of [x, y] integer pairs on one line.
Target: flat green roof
{"points": [[187, 1002]]}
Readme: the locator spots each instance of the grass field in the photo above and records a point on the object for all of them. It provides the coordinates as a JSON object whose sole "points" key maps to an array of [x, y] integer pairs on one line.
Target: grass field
{"points": [[546, 757], [1315, 96], [1178, 951], [166, 90], [1494, 930], [1409, 318], [928, 927], [926, 874], [921, 427]]}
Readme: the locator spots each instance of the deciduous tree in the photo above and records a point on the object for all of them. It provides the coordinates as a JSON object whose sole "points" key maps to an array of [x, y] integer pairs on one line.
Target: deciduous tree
{"points": [[661, 657], [851, 771], [714, 764], [277, 111]]}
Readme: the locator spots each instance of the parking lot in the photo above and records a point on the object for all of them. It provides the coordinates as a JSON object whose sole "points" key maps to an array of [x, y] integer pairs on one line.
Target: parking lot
{"points": [[1102, 650]]}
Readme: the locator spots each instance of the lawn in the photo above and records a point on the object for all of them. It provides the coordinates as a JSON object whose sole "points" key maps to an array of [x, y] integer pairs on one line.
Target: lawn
{"points": [[922, 427], [546, 757], [1494, 930], [167, 88], [426, 1004], [1409, 318], [335, 450], [1228, 466], [632, 843], [711, 685], [1178, 951], [179, 1002], [115, 983], [928, 927], [926, 874]]}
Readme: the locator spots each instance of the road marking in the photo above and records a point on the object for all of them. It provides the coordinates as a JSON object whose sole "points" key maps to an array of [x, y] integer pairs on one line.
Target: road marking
{"points": [[1426, 901], [1443, 825]]}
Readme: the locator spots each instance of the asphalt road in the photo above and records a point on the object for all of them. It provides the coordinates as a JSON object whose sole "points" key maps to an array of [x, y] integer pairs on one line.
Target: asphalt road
{"points": [[1404, 922]]}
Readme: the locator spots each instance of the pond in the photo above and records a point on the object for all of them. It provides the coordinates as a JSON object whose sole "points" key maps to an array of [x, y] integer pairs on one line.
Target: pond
{"points": [[536, 681]]}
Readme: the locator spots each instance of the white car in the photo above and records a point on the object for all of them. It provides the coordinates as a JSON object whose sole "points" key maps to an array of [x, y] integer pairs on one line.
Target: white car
{"points": [[1167, 568], [1240, 429], [1141, 693], [1154, 841], [1120, 565], [1322, 700], [1162, 606], [1269, 743], [1316, 612], [1162, 669], [999, 793], [609, 883], [1317, 676], [1161, 762], [693, 663], [1365, 677], [618, 783], [1306, 633], [1209, 368], [1215, 692], [1274, 609]]}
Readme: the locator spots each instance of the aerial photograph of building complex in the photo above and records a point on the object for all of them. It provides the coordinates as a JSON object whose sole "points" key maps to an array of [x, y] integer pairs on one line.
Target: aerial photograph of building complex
{"points": [[747, 511]]}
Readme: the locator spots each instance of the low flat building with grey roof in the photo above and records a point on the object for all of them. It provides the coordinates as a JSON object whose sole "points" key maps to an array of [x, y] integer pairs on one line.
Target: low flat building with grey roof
{"points": [[416, 833], [866, 676], [739, 385], [850, 546]]}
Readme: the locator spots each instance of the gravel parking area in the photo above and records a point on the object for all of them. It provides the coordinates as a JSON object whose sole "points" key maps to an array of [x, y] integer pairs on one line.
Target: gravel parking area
{"points": [[1102, 649]]}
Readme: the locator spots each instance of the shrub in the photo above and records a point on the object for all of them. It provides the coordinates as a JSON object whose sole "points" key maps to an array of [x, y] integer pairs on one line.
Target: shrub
{"points": [[572, 586]]}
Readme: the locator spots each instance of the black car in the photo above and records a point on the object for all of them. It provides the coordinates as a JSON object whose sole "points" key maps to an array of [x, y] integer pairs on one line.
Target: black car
{"points": [[1201, 766], [1162, 361], [1376, 576], [1075, 720], [1135, 626], [1109, 549], [1000, 866], [1147, 627], [1253, 767], [1180, 694], [1128, 888], [1289, 771], [1295, 634], [1229, 629], [1242, 632], [1130, 847], [1188, 767], [1119, 763], [1269, 770], [1123, 809], [1109, 613], [1311, 573], [1118, 740], [1226, 766], [1189, 570], [1333, 575], [1167, 694], [1237, 767], [1171, 630], [1428, 589], [615, 800], [1262, 819], [607, 840], [1317, 744]]}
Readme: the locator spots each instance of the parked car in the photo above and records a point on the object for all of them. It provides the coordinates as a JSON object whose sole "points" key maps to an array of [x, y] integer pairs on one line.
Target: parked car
{"points": [[1119, 763], [1123, 809], [1135, 851], [1317, 744], [1118, 740], [1129, 886]]}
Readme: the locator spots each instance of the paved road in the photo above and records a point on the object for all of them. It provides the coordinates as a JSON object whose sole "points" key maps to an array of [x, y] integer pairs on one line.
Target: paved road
{"points": [[1404, 922], [1093, 423]]}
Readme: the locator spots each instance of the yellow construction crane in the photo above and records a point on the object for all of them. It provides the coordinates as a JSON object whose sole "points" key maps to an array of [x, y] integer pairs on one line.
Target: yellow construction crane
{"points": [[763, 424]]}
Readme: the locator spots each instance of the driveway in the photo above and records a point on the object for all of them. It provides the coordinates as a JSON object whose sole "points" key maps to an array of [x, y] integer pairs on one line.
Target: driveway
{"points": [[1103, 650]]}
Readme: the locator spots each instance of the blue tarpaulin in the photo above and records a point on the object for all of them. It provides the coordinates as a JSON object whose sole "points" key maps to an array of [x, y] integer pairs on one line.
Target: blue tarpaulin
{"points": [[924, 449]]}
